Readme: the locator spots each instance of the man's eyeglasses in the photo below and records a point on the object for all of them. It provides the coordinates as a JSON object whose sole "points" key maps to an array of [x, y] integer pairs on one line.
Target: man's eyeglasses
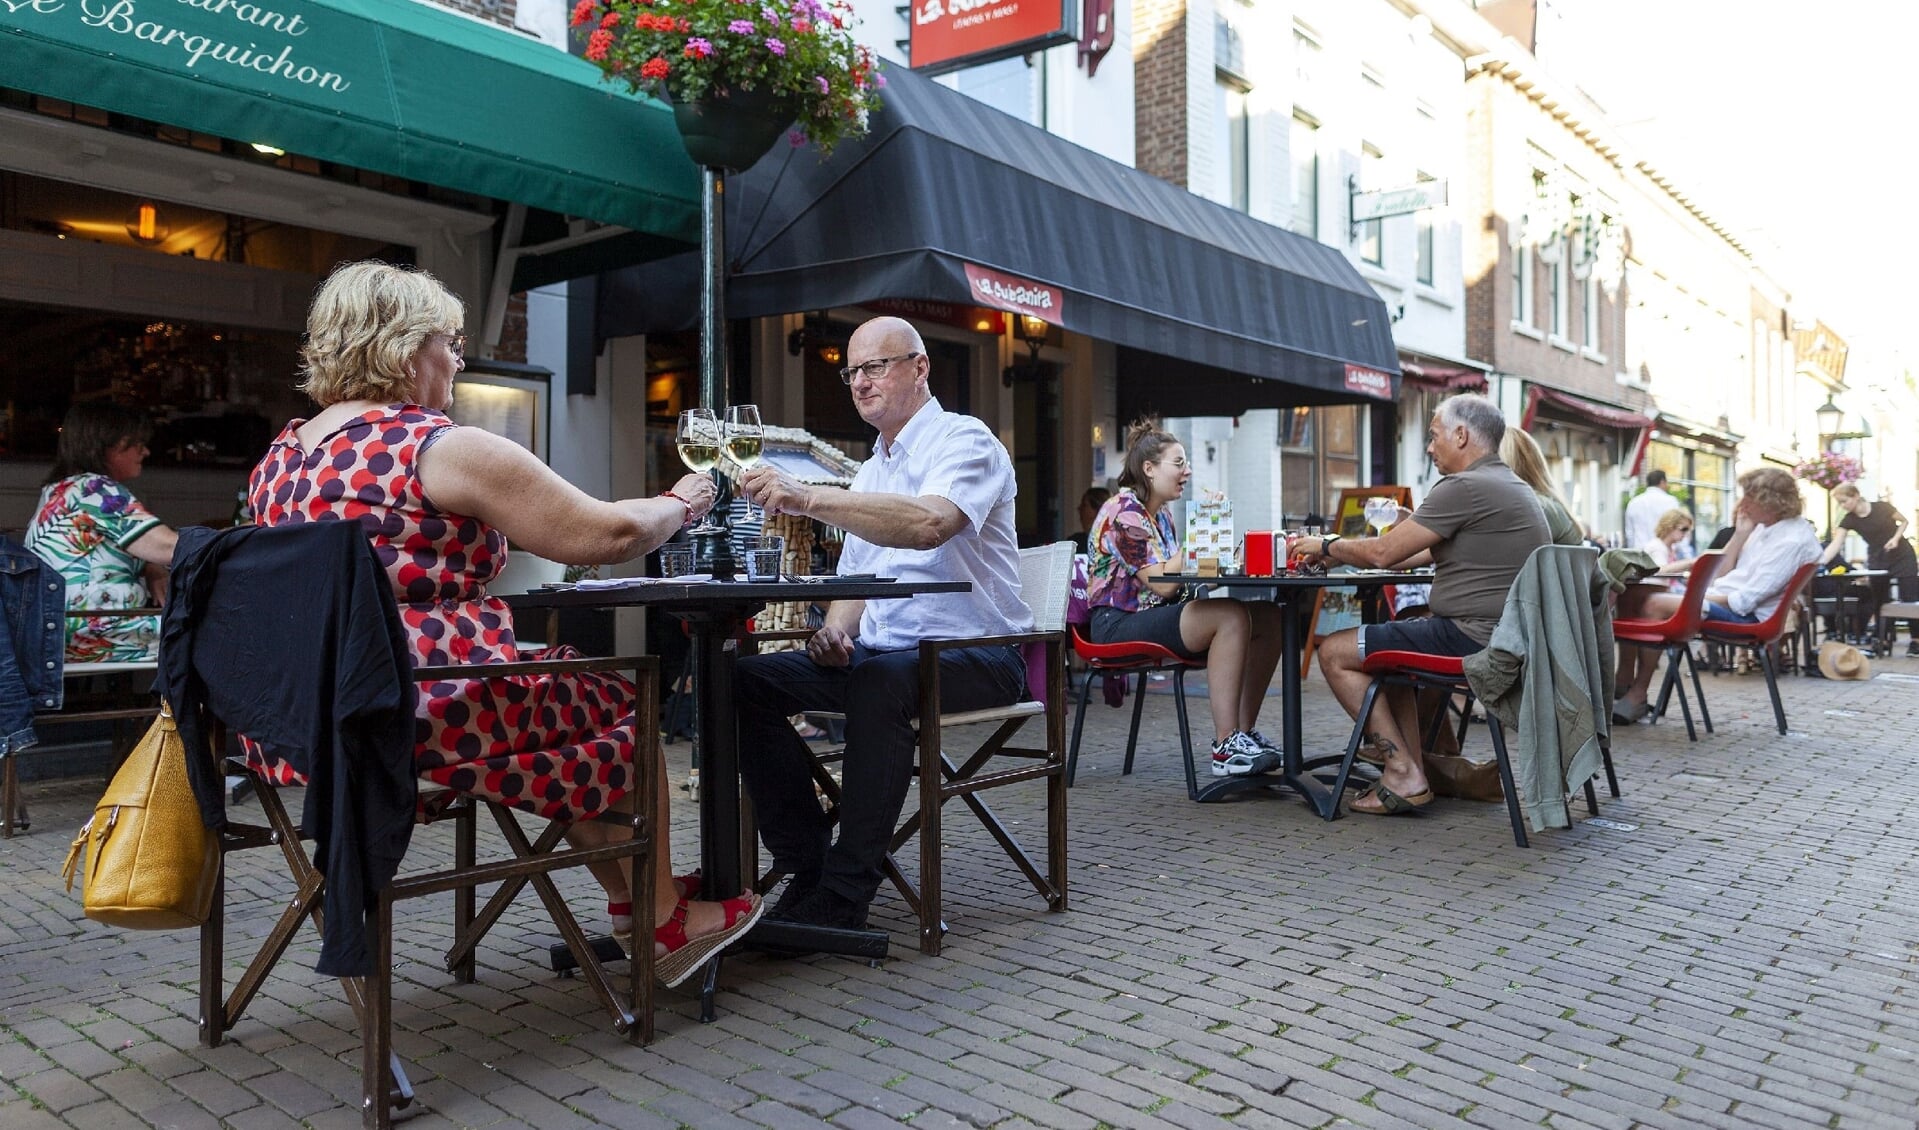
{"points": [[872, 370]]}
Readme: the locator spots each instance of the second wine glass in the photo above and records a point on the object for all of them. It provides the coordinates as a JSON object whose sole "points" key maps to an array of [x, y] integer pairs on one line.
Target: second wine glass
{"points": [[745, 443]]}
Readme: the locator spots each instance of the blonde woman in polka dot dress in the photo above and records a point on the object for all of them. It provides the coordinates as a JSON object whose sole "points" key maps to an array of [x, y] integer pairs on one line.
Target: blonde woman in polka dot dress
{"points": [[440, 503]]}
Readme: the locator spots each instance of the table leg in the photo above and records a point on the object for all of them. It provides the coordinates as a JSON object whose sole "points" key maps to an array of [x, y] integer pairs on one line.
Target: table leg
{"points": [[719, 757], [1317, 794]]}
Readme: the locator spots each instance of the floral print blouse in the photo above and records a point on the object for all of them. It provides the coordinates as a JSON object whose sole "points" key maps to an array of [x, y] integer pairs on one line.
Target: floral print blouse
{"points": [[83, 528], [1125, 539]]}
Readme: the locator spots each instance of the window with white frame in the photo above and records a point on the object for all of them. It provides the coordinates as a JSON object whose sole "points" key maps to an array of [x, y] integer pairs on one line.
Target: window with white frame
{"points": [[1423, 239], [1522, 280], [1372, 237], [1306, 54], [1589, 313], [1305, 155], [1231, 172], [1556, 296]]}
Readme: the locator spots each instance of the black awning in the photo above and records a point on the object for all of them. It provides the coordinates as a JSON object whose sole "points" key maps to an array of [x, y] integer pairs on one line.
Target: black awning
{"points": [[944, 186]]}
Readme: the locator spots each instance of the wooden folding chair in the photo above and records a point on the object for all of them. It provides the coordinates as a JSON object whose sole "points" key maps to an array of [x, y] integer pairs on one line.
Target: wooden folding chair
{"points": [[1045, 572], [384, 1085]]}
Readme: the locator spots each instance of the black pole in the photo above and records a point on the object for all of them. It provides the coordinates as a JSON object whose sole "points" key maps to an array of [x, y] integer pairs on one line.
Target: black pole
{"points": [[713, 548]]}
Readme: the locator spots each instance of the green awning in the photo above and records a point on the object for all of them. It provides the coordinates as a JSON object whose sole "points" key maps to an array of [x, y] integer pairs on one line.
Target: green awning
{"points": [[395, 86]]}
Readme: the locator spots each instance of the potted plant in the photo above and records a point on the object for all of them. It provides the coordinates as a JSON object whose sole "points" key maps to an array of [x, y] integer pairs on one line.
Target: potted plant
{"points": [[739, 72], [1829, 469]]}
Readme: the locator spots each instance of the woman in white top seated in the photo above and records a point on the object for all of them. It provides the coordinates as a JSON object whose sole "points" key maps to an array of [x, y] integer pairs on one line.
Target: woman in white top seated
{"points": [[1672, 532], [1769, 542]]}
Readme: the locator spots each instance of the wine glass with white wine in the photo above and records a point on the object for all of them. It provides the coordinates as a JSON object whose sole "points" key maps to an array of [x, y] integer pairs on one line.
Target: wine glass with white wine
{"points": [[1381, 513], [745, 441], [699, 446]]}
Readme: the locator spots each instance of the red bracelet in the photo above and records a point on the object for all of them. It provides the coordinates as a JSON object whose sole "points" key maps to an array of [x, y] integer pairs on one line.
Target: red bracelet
{"points": [[688, 516]]}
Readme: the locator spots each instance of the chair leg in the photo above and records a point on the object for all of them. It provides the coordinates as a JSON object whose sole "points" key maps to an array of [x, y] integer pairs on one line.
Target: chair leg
{"points": [[1079, 725], [1592, 798], [213, 1008], [1605, 757], [1772, 685], [1352, 746], [1185, 734], [464, 856], [1698, 692], [932, 797], [9, 794], [1506, 780], [1132, 735]]}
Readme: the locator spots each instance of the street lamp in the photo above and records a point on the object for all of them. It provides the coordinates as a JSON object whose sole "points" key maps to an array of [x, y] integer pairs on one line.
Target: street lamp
{"points": [[1831, 417]]}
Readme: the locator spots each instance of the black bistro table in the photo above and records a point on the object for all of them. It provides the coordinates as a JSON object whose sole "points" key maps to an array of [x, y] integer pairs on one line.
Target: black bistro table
{"points": [[715, 612], [1287, 590]]}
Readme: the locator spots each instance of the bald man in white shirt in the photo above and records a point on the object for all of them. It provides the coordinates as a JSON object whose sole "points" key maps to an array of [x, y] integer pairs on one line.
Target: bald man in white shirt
{"points": [[934, 503]]}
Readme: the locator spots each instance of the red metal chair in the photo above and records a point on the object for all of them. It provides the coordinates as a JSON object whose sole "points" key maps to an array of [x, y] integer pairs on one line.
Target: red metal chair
{"points": [[1759, 638], [1674, 635], [1446, 673], [1126, 659]]}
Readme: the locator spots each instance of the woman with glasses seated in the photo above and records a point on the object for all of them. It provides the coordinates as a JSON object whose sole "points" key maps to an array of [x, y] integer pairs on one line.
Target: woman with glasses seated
{"points": [[439, 503], [1131, 544]]}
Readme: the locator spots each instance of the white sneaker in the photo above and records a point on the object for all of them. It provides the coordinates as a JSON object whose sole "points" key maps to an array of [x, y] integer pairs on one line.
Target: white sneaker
{"points": [[1239, 755], [1274, 754]]}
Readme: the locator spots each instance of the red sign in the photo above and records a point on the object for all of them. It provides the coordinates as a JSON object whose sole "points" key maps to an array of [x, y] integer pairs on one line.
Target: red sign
{"points": [[1372, 382], [945, 313], [949, 34], [1016, 295]]}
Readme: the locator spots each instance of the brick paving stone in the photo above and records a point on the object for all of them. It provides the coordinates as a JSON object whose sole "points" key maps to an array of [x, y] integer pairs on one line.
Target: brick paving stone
{"points": [[1738, 959]]}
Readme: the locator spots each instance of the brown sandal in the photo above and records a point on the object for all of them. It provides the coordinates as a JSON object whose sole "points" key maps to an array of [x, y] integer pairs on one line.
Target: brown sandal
{"points": [[1390, 802]]}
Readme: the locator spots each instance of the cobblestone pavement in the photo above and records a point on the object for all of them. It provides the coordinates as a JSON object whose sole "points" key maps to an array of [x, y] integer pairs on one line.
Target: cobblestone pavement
{"points": [[1734, 946]]}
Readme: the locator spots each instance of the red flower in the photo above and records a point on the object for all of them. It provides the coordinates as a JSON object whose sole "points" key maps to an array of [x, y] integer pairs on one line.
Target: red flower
{"points": [[583, 11], [655, 68], [610, 21], [598, 44]]}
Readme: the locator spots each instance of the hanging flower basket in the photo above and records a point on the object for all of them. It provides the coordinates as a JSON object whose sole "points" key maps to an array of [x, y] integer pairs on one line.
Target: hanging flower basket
{"points": [[739, 72], [1829, 469]]}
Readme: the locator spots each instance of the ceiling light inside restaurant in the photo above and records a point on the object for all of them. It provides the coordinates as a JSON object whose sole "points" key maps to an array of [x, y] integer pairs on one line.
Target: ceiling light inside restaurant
{"points": [[831, 354], [144, 224]]}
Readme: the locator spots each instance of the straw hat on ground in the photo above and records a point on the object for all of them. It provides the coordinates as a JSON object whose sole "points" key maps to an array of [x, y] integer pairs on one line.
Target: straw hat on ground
{"points": [[1843, 661]]}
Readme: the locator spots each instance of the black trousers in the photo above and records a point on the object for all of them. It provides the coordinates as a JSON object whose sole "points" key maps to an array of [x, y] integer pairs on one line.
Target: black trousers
{"points": [[879, 694]]}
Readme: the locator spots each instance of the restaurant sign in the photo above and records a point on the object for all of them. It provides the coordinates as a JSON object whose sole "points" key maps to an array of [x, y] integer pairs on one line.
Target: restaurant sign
{"points": [[958, 314], [950, 34], [1016, 295], [277, 51], [1372, 382]]}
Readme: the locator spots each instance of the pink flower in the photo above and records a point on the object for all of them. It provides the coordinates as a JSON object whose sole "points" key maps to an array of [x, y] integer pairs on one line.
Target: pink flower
{"points": [[825, 87], [775, 46], [741, 27]]}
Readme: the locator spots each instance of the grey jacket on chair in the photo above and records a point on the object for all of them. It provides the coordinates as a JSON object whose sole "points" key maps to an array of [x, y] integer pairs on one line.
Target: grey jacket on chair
{"points": [[1547, 676]]}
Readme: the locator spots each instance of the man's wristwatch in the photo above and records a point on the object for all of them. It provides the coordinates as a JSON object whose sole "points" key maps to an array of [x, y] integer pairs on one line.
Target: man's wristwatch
{"points": [[1326, 545]]}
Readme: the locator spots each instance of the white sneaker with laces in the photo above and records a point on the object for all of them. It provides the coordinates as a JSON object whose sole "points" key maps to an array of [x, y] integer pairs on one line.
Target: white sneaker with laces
{"points": [[1275, 757], [1237, 756]]}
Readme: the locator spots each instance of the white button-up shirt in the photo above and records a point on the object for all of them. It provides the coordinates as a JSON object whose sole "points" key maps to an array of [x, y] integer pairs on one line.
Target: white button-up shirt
{"points": [[1643, 514], [959, 459], [1758, 579]]}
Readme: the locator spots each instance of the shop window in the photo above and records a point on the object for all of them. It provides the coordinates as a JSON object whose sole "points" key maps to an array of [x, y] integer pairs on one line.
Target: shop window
{"points": [[1318, 458], [217, 395]]}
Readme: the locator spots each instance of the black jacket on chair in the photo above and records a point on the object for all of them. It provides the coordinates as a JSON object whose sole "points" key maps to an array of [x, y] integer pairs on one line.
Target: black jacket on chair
{"points": [[290, 635]]}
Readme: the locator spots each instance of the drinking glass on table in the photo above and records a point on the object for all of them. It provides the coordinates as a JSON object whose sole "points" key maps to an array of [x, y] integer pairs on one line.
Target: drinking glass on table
{"points": [[699, 446], [1381, 513]]}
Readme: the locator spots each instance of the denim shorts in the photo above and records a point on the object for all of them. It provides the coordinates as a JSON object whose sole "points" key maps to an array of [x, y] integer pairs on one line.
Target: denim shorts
{"points": [[1718, 611], [1432, 635]]}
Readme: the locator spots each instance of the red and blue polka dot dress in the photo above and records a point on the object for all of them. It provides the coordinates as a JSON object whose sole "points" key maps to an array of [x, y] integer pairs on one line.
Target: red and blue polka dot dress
{"points": [[560, 746]]}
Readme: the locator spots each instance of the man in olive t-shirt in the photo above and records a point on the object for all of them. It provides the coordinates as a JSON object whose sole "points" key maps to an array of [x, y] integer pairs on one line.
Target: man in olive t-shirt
{"points": [[1477, 527]]}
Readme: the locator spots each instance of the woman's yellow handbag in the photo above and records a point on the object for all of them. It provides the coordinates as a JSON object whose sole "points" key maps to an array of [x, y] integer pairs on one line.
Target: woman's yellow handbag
{"points": [[151, 863]]}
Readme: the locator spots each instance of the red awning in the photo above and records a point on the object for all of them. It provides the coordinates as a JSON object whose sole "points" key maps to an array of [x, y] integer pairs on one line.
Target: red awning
{"points": [[1443, 378], [1604, 415]]}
